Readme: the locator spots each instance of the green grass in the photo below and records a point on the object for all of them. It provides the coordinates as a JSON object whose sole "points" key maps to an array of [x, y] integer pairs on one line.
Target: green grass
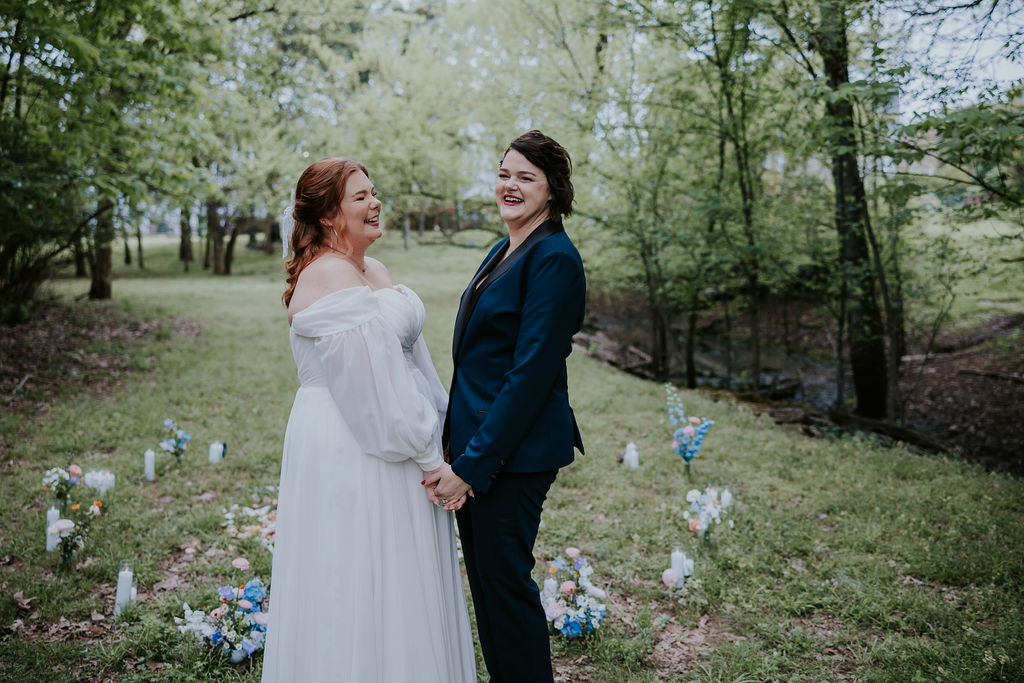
{"points": [[847, 560]]}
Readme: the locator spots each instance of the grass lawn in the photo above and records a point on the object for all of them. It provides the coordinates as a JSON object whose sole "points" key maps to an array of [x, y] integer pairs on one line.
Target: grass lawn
{"points": [[847, 561]]}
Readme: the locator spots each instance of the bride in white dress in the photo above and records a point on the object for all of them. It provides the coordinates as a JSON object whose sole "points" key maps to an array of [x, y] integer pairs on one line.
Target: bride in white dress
{"points": [[365, 584]]}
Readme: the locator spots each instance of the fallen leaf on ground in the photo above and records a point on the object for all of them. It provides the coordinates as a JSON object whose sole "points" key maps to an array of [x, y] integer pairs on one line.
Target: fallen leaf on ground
{"points": [[23, 602]]}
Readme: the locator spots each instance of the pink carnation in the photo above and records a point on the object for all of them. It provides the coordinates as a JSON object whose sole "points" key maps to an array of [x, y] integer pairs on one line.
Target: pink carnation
{"points": [[554, 610], [572, 552], [567, 587], [689, 430], [240, 563], [695, 420], [260, 618], [244, 604], [74, 470], [670, 577]]}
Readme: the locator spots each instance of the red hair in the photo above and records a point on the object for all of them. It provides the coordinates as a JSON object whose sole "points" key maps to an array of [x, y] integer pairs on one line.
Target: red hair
{"points": [[318, 196]]}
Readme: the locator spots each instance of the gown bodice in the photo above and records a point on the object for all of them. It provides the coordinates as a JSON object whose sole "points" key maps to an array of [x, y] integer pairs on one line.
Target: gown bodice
{"points": [[399, 307]]}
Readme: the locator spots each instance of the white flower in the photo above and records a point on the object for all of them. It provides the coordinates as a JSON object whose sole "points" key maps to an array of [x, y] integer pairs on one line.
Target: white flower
{"points": [[62, 528], [692, 496], [168, 445]]}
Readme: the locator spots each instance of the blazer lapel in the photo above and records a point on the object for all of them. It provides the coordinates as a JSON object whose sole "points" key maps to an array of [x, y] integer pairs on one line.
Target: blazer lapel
{"points": [[470, 296], [492, 270]]}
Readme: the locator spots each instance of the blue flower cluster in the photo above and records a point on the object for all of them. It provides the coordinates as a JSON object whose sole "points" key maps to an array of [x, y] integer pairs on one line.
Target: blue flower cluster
{"points": [[238, 627], [176, 441], [570, 600], [690, 432]]}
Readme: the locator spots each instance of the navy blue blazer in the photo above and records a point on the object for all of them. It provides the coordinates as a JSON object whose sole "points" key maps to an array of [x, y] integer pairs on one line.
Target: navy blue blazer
{"points": [[508, 407]]}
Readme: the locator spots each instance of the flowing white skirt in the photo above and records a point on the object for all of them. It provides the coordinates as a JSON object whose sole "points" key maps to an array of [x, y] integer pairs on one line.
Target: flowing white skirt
{"points": [[365, 584]]}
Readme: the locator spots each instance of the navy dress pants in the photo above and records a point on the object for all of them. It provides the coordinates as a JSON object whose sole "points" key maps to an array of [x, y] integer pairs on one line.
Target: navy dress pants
{"points": [[498, 529]]}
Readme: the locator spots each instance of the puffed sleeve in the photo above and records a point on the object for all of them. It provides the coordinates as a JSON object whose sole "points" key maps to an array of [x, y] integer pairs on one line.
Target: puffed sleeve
{"points": [[438, 394], [371, 382]]}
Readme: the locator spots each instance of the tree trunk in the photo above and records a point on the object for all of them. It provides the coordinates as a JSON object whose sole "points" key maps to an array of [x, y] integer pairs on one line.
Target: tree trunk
{"points": [[127, 248], [138, 241], [405, 231], [215, 236], [691, 342], [864, 322], [229, 252], [185, 244], [102, 263], [81, 260]]}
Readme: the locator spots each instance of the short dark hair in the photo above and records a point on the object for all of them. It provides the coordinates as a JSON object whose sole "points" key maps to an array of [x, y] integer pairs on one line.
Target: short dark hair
{"points": [[550, 157]]}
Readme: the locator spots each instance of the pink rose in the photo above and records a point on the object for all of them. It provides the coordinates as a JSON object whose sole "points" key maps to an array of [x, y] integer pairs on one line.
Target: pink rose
{"points": [[74, 470], [567, 587], [244, 604], [694, 524], [240, 563], [695, 420], [260, 618], [689, 430], [554, 610], [670, 578], [572, 552]]}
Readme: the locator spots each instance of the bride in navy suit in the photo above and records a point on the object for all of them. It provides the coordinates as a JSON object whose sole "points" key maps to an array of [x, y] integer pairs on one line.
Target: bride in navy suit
{"points": [[509, 426]]}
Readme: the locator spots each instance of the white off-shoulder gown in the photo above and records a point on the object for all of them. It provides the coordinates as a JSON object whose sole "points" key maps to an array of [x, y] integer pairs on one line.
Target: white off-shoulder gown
{"points": [[365, 584]]}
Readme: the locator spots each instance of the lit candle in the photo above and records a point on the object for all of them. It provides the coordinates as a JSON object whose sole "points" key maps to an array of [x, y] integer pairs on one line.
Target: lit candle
{"points": [[150, 463], [125, 578], [52, 515], [217, 452]]}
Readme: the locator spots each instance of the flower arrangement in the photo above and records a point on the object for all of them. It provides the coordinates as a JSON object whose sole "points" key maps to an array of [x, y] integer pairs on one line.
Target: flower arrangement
{"points": [[238, 626], [569, 598], [707, 508], [61, 480], [689, 431], [71, 532], [176, 442]]}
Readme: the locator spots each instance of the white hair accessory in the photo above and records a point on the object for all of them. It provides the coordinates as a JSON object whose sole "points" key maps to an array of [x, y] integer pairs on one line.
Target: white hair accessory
{"points": [[287, 223]]}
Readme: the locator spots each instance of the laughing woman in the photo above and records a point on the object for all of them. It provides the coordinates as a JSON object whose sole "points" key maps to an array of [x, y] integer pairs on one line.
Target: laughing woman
{"points": [[510, 427], [365, 584]]}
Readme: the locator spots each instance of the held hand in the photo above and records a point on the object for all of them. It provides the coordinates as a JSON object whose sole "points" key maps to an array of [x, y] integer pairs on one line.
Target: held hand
{"points": [[451, 487], [429, 484]]}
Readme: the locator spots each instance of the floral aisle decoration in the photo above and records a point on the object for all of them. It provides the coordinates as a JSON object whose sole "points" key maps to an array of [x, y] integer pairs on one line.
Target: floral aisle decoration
{"points": [[68, 523], [71, 532], [570, 600], [237, 627], [689, 432], [61, 481], [706, 510], [176, 442]]}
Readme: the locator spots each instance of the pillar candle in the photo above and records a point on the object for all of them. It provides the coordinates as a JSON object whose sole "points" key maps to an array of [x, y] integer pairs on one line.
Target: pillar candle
{"points": [[678, 559], [125, 578], [216, 452], [52, 515], [150, 463]]}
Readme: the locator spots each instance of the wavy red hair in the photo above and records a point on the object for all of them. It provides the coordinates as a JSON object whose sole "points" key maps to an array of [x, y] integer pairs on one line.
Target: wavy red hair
{"points": [[318, 196]]}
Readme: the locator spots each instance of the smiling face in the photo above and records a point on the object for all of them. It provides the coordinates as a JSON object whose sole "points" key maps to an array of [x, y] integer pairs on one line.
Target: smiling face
{"points": [[358, 217], [522, 192]]}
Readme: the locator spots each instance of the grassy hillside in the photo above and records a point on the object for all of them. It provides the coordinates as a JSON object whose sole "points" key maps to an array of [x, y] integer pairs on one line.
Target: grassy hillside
{"points": [[847, 561]]}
